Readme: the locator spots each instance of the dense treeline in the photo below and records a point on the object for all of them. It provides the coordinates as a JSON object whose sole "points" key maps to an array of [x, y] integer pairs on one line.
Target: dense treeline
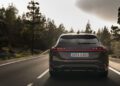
{"points": [[32, 30], [115, 44], [16, 31]]}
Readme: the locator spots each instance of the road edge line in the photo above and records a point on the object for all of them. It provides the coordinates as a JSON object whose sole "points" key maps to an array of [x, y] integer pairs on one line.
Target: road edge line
{"points": [[21, 60], [31, 84], [114, 70], [44, 73]]}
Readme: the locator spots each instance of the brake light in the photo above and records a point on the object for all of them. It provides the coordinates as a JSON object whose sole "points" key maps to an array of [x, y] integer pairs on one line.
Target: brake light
{"points": [[58, 49], [97, 49]]}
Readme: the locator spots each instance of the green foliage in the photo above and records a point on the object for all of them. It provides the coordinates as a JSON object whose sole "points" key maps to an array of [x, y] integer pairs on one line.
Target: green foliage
{"points": [[115, 33], [88, 28], [2, 14], [7, 23], [115, 29], [115, 40], [32, 29], [71, 30], [116, 48], [118, 16], [34, 18], [78, 32], [105, 37]]}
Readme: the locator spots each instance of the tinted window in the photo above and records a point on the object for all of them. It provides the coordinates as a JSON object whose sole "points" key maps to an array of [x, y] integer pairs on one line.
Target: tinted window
{"points": [[77, 39]]}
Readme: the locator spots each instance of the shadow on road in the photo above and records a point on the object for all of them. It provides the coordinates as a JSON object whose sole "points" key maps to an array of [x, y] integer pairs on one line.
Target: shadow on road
{"points": [[83, 79]]}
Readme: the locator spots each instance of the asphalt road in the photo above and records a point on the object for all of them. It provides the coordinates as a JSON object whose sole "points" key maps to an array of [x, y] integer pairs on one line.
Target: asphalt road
{"points": [[34, 72]]}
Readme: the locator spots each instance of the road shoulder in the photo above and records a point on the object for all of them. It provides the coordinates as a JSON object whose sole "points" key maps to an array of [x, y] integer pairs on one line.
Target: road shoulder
{"points": [[2, 62], [114, 63]]}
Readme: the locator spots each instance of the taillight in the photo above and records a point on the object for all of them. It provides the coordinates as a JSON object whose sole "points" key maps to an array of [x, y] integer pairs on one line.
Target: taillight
{"points": [[96, 49], [53, 49], [58, 49]]}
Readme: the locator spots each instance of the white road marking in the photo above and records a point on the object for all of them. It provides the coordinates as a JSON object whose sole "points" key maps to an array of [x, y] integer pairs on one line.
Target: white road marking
{"points": [[21, 60], [31, 84], [45, 72], [114, 70], [13, 62]]}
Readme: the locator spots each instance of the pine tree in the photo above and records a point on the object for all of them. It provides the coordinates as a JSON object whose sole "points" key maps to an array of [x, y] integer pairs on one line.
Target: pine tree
{"points": [[88, 28], [78, 32], [99, 33], [71, 30], [118, 16], [115, 32], [105, 37], [10, 20], [34, 17], [115, 29], [2, 27]]}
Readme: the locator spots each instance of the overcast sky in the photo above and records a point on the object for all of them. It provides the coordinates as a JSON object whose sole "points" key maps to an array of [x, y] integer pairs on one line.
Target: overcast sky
{"points": [[106, 9], [74, 13]]}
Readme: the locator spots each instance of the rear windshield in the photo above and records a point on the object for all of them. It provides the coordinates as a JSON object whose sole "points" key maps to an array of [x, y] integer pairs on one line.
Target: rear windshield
{"points": [[77, 39]]}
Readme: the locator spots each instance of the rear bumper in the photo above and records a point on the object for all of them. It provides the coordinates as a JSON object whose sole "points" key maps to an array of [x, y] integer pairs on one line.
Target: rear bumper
{"points": [[78, 66]]}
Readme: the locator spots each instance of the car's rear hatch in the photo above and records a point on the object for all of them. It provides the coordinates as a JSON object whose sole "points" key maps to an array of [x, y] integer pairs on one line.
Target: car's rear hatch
{"points": [[78, 47]]}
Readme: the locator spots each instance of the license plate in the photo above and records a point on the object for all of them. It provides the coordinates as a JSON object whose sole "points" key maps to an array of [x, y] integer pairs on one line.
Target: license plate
{"points": [[79, 54]]}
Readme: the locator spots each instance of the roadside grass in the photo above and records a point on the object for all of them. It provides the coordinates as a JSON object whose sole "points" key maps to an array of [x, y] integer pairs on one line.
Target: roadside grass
{"points": [[19, 54]]}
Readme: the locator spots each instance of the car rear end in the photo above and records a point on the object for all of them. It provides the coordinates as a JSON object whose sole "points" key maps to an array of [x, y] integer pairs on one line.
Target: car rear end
{"points": [[81, 52]]}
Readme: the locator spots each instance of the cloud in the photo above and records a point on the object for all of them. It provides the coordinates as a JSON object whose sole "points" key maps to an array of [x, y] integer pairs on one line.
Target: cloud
{"points": [[106, 9]]}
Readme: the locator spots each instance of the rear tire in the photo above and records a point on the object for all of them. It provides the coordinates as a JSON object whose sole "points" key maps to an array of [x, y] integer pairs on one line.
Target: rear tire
{"points": [[53, 74], [104, 74]]}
